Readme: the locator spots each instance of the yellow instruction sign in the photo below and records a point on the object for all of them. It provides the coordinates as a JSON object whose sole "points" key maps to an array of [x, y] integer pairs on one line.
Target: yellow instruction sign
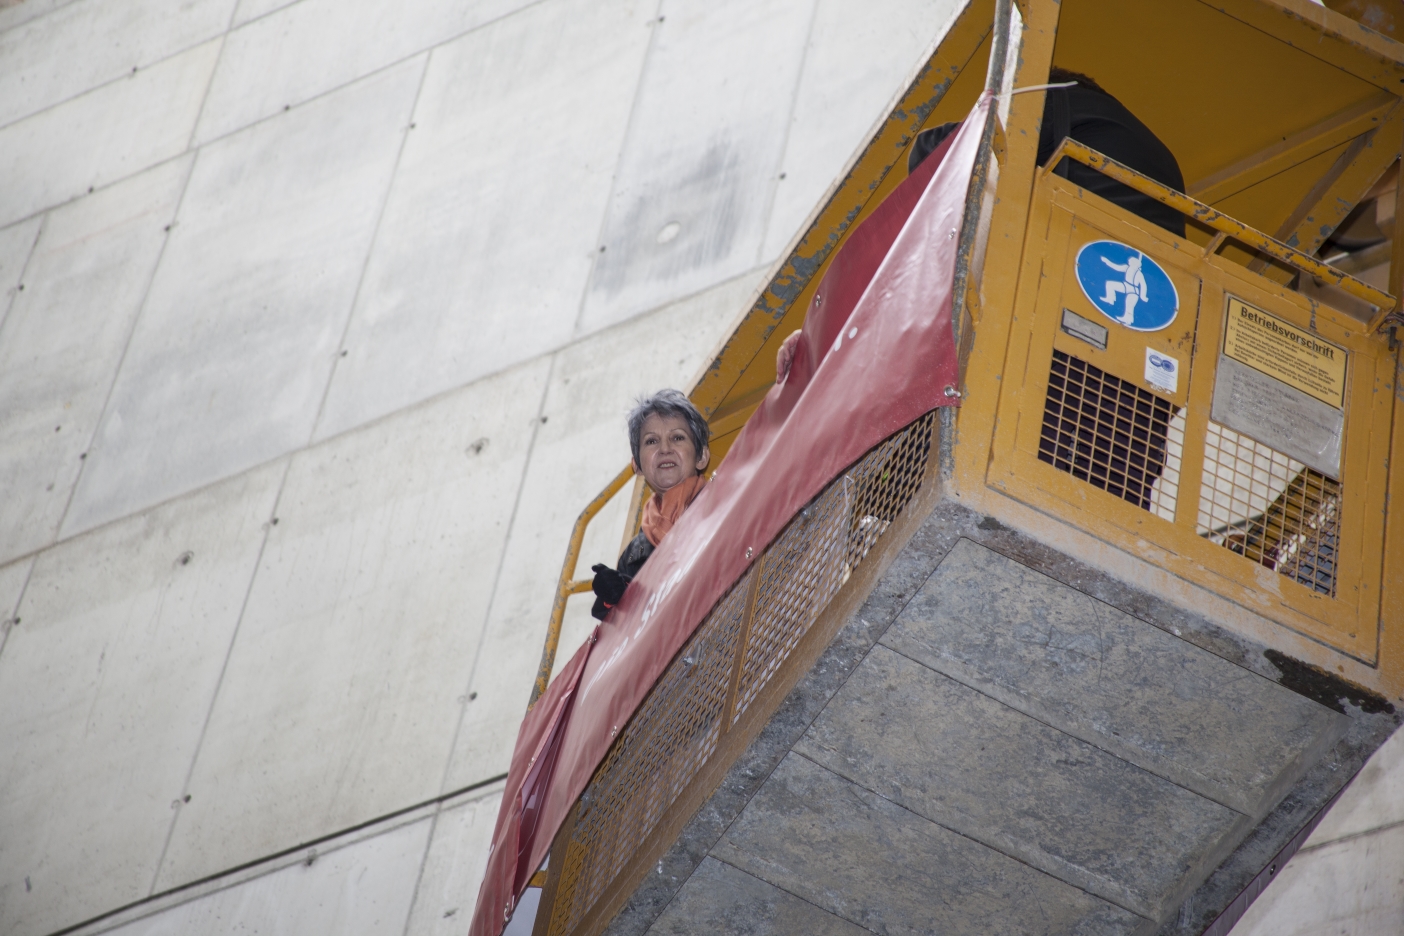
{"points": [[1279, 349]]}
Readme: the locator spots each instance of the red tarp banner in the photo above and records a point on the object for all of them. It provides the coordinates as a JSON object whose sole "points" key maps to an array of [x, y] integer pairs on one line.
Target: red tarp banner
{"points": [[877, 352]]}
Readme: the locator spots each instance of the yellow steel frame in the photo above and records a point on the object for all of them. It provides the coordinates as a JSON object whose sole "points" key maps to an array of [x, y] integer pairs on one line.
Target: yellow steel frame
{"points": [[1001, 310], [1349, 622], [1226, 225]]}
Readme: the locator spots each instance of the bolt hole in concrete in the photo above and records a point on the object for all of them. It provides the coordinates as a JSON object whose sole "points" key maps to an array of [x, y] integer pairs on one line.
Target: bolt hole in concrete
{"points": [[669, 231]]}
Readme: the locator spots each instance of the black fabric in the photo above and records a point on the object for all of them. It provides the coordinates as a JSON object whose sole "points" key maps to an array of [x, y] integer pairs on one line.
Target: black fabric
{"points": [[609, 584], [1103, 123], [1097, 119], [926, 143], [633, 557]]}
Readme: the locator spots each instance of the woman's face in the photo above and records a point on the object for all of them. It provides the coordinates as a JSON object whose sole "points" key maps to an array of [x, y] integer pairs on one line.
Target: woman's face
{"points": [[666, 452]]}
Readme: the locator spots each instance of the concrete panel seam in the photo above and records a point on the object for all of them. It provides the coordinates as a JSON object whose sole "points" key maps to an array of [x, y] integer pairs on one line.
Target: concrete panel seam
{"points": [[8, 622], [501, 562], [918, 817], [268, 864], [394, 414], [618, 160], [38, 233], [122, 77], [1364, 833], [370, 251], [209, 82], [263, 16], [18, 11], [1039, 711], [799, 897], [126, 346], [374, 71], [219, 682], [774, 181]]}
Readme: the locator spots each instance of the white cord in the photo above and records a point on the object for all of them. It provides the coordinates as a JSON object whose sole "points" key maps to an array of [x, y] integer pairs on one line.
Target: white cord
{"points": [[1041, 87]]}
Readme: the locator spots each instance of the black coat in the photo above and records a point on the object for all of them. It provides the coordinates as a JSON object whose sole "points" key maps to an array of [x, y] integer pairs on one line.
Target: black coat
{"points": [[1100, 121]]}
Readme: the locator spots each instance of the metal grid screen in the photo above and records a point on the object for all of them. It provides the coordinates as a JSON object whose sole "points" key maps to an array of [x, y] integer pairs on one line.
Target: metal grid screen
{"points": [[1269, 508], [741, 644], [1112, 434], [815, 555]]}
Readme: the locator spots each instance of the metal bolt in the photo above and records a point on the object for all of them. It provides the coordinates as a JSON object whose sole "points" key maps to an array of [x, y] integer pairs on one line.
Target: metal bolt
{"points": [[748, 552], [952, 392]]}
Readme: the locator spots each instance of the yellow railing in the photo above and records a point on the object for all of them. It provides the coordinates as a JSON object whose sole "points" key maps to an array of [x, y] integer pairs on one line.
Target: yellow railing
{"points": [[1225, 225], [568, 584]]}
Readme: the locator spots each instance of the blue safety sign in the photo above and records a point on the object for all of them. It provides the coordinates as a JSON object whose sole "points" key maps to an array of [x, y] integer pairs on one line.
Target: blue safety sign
{"points": [[1127, 286]]}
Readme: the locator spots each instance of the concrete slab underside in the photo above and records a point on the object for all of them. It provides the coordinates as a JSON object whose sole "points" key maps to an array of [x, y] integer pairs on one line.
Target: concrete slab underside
{"points": [[1003, 740]]}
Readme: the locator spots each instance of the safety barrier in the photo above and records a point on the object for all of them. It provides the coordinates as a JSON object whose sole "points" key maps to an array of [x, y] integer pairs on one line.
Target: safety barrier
{"points": [[721, 671]]}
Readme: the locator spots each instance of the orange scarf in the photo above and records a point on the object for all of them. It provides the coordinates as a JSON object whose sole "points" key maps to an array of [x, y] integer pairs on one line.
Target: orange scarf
{"points": [[663, 510]]}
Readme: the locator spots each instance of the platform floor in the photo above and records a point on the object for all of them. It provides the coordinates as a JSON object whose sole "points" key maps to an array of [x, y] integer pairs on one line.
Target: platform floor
{"points": [[996, 744]]}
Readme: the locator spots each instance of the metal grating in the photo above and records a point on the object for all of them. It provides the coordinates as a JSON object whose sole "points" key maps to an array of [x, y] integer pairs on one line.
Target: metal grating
{"points": [[1110, 433], [811, 560], [659, 752], [1267, 507], [677, 728]]}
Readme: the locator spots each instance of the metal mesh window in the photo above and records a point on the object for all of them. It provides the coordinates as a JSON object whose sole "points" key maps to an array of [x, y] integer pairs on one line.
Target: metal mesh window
{"points": [[1269, 508], [1112, 434]]}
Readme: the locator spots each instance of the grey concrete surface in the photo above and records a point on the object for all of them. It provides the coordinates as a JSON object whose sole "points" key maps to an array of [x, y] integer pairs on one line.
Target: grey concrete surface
{"points": [[997, 776], [722, 900], [346, 684], [102, 42], [847, 690], [56, 381], [701, 160], [128, 125], [1098, 674], [453, 865], [309, 48], [229, 361], [105, 686], [1349, 876], [863, 857], [1352, 886], [364, 889], [856, 57], [485, 250]]}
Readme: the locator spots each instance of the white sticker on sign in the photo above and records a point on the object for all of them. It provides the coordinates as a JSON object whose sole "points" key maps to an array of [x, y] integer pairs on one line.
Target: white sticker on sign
{"points": [[1162, 371]]}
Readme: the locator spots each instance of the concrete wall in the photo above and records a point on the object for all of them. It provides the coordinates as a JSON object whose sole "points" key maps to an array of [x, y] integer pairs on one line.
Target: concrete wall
{"points": [[317, 323], [1349, 876]]}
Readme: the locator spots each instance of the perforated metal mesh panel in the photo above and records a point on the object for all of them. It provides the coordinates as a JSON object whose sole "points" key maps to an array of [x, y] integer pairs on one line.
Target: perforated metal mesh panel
{"points": [[815, 555], [741, 644], [1269, 508], [1110, 433]]}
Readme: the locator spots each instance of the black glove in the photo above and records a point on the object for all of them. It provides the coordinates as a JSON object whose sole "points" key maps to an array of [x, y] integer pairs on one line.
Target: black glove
{"points": [[609, 587]]}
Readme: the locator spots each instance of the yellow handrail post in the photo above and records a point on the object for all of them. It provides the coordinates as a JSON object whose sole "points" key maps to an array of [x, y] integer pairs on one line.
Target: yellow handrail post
{"points": [[1219, 221], [568, 585]]}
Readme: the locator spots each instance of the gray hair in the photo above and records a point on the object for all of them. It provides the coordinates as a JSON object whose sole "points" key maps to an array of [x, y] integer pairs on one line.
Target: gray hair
{"points": [[667, 403]]}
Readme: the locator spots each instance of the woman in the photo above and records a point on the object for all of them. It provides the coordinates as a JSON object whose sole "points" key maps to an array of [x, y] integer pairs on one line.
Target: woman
{"points": [[668, 437]]}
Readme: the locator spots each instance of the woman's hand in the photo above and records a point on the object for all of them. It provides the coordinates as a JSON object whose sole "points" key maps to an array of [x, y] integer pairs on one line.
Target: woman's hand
{"points": [[786, 356], [608, 587]]}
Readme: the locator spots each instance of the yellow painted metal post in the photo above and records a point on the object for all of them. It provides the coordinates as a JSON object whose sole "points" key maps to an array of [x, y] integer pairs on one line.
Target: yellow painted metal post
{"points": [[568, 584]]}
